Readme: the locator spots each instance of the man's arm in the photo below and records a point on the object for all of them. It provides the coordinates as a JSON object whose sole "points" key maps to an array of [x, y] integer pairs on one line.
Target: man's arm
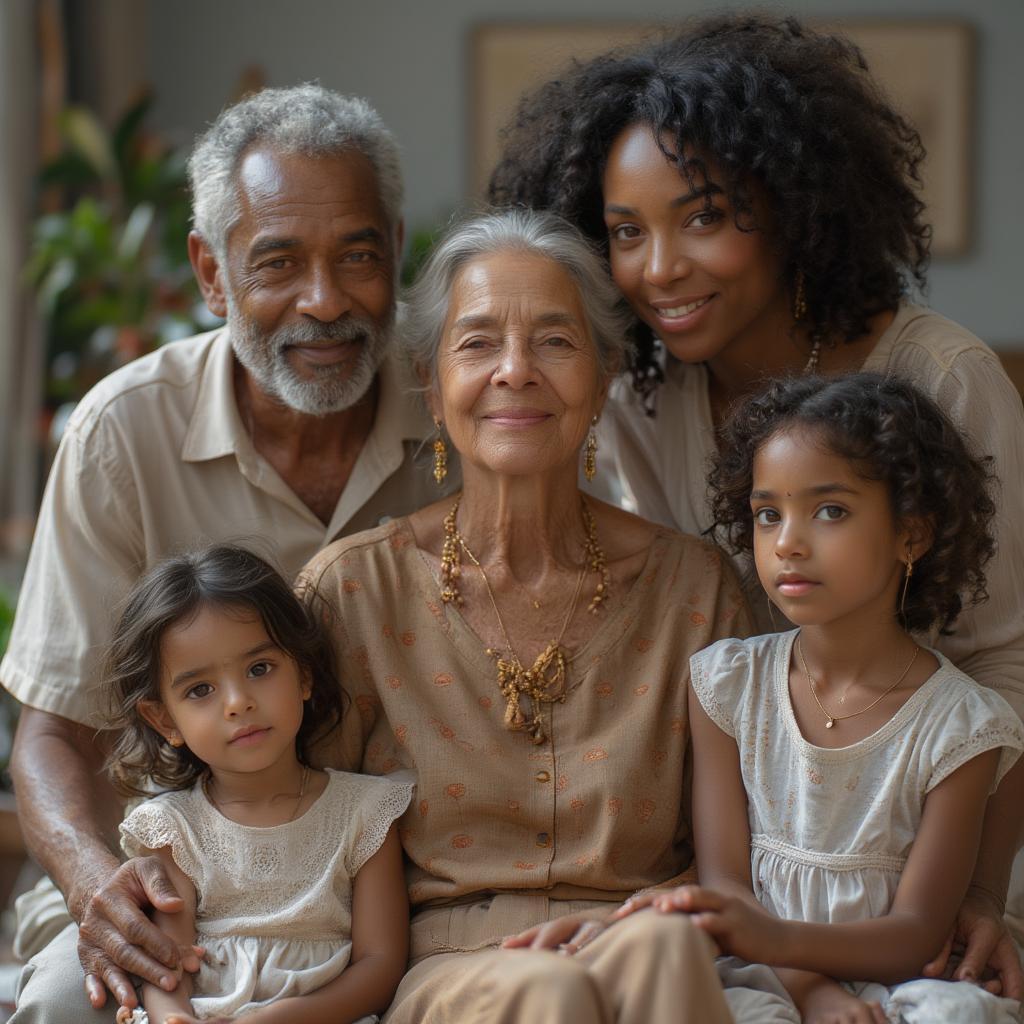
{"points": [[69, 814]]}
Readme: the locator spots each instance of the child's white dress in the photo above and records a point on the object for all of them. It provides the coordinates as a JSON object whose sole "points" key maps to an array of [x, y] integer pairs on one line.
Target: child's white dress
{"points": [[831, 829], [274, 905]]}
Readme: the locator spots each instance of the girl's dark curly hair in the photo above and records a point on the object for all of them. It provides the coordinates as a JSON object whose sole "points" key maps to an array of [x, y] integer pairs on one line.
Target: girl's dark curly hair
{"points": [[892, 433], [766, 103], [222, 576]]}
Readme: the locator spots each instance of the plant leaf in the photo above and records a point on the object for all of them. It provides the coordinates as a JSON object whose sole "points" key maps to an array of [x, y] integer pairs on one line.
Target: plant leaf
{"points": [[87, 136], [134, 232]]}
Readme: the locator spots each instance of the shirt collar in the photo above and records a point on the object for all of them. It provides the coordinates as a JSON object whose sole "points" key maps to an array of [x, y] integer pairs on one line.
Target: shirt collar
{"points": [[216, 428]]}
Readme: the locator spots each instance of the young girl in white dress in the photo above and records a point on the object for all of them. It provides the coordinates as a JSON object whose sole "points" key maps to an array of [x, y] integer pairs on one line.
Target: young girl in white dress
{"points": [[291, 878], [841, 770]]}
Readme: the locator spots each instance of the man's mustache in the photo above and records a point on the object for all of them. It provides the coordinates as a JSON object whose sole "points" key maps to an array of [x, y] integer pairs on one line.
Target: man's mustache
{"points": [[346, 329]]}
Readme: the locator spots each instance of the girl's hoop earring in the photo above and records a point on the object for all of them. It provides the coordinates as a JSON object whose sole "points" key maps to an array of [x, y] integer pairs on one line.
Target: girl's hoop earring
{"points": [[771, 613], [440, 455], [906, 583], [590, 453]]}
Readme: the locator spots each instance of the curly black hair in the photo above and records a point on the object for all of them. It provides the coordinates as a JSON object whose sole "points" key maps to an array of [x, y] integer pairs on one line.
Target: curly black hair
{"points": [[891, 433], [767, 102], [174, 591]]}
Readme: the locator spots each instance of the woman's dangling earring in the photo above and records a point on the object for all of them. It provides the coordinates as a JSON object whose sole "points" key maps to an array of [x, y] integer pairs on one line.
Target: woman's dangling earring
{"points": [[799, 297], [440, 455], [175, 739], [799, 312], [906, 583], [590, 453]]}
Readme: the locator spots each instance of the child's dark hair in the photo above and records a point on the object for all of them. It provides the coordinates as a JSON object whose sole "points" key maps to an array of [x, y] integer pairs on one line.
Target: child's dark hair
{"points": [[892, 433], [173, 592]]}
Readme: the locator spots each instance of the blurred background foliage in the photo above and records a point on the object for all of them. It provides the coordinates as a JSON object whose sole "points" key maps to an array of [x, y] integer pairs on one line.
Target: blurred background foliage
{"points": [[108, 260]]}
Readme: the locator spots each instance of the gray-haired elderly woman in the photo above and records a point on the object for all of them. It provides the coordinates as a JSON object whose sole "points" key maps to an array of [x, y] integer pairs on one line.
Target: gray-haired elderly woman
{"points": [[525, 649]]}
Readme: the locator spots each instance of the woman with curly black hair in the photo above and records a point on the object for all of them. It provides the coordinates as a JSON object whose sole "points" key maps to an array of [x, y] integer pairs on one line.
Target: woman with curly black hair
{"points": [[757, 198], [840, 787]]}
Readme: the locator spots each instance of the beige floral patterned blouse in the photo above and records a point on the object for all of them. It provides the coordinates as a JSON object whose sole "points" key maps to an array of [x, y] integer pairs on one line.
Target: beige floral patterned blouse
{"points": [[594, 813]]}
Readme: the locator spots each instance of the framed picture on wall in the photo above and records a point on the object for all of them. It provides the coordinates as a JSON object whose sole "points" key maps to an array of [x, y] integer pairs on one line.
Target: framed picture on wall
{"points": [[926, 67]]}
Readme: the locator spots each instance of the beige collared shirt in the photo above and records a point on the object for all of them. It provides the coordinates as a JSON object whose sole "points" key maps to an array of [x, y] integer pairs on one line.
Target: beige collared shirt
{"points": [[155, 460]]}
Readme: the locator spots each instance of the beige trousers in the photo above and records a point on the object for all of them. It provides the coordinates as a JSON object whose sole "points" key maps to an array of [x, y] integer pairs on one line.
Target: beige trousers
{"points": [[648, 969]]}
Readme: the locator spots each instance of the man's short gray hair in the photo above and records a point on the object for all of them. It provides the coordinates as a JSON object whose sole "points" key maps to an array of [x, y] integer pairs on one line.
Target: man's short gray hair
{"points": [[306, 119], [535, 232]]}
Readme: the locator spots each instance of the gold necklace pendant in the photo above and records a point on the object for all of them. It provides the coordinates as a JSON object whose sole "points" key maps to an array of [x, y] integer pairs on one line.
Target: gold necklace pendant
{"points": [[543, 683]]}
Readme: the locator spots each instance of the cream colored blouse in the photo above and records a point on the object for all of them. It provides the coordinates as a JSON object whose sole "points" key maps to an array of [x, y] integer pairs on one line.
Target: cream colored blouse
{"points": [[595, 812]]}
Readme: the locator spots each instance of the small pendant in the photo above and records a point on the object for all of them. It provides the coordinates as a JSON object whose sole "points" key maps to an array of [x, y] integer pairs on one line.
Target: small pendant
{"points": [[830, 723]]}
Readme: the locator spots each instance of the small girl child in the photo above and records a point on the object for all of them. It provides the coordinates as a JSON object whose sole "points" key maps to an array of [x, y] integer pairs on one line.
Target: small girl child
{"points": [[841, 770], [291, 877]]}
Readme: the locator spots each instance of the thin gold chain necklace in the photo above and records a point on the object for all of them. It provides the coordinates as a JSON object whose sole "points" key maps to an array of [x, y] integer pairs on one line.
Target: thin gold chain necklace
{"points": [[302, 792], [830, 719], [545, 681]]}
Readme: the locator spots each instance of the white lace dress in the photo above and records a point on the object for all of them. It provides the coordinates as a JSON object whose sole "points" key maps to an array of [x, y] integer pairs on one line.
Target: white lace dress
{"points": [[831, 829], [274, 905]]}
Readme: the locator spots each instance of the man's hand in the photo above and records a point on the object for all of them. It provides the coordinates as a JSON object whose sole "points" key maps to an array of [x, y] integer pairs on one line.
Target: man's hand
{"points": [[117, 939], [989, 955]]}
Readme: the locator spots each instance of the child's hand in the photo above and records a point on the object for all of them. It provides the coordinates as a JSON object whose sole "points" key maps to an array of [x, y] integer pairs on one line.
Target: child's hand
{"points": [[832, 1004], [738, 926]]}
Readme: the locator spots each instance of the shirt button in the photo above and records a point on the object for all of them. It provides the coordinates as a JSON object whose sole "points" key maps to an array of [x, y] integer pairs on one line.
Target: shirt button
{"points": [[543, 776], [543, 839]]}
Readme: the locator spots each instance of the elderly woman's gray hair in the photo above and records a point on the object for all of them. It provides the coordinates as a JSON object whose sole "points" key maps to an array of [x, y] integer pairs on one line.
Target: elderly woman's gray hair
{"points": [[306, 119], [525, 231]]}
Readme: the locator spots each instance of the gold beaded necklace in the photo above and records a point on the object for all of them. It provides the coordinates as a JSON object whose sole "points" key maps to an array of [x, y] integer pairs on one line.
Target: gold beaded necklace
{"points": [[545, 681]]}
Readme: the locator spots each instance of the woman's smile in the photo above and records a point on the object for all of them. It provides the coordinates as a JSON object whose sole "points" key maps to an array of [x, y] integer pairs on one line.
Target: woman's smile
{"points": [[517, 417]]}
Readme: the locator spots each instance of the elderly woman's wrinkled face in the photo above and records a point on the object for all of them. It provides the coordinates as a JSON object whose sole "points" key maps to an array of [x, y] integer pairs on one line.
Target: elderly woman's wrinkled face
{"points": [[518, 375]]}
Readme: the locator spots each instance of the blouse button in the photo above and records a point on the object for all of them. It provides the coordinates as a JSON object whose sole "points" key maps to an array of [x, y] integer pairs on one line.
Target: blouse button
{"points": [[543, 776], [543, 839]]}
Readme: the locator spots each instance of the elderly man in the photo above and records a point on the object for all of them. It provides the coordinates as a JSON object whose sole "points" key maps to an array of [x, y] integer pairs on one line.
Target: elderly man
{"points": [[282, 431]]}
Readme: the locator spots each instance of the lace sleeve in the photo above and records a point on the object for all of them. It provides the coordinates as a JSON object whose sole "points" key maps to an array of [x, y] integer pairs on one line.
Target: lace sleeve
{"points": [[720, 675], [379, 802], [158, 823], [993, 736]]}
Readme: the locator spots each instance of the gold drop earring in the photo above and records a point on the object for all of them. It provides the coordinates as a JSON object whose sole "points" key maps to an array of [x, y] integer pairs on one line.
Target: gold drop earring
{"points": [[590, 452], [440, 455], [175, 739], [799, 297]]}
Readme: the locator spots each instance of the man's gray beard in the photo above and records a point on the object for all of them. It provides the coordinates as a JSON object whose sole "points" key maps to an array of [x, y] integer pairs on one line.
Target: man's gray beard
{"points": [[330, 388]]}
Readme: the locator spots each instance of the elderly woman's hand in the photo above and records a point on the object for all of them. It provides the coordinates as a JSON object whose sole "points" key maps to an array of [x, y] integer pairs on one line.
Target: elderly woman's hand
{"points": [[989, 955], [566, 935]]}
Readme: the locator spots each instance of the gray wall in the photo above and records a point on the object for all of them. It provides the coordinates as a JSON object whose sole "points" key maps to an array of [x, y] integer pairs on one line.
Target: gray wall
{"points": [[410, 60]]}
